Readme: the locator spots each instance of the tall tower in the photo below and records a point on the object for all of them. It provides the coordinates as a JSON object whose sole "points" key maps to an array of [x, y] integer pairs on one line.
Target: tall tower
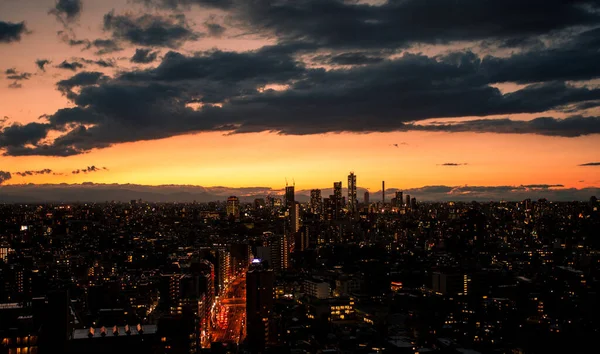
{"points": [[260, 295], [316, 203], [233, 207], [290, 198], [366, 198], [383, 192], [337, 198], [352, 201]]}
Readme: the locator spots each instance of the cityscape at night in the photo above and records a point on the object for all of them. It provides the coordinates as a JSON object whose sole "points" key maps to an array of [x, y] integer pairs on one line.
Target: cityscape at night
{"points": [[299, 176]]}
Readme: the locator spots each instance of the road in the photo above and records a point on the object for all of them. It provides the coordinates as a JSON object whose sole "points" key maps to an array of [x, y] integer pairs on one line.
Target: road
{"points": [[231, 320]]}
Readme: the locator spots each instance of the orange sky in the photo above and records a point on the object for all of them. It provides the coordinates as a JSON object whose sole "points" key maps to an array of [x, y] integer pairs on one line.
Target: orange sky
{"points": [[265, 159]]}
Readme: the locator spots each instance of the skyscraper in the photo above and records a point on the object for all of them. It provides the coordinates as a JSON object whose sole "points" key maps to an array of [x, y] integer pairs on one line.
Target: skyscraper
{"points": [[383, 192], [352, 201], [290, 198], [260, 295], [399, 199], [367, 197], [408, 201], [280, 252], [337, 198], [316, 203], [233, 207]]}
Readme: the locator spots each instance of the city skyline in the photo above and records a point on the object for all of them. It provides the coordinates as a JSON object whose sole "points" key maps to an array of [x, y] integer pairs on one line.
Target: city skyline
{"points": [[240, 98]]}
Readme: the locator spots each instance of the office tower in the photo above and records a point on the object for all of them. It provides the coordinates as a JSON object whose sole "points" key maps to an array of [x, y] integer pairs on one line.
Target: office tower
{"points": [[302, 240], [329, 208], [413, 203], [366, 198], [383, 192], [280, 252], [233, 207], [352, 201], [399, 199], [290, 198], [259, 203], [408, 201], [295, 218], [337, 198], [260, 295], [316, 203]]}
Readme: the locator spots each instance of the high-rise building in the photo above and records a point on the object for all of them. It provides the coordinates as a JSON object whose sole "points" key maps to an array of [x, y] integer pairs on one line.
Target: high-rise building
{"points": [[290, 197], [280, 252], [295, 218], [260, 295], [399, 199], [367, 197], [352, 201], [302, 241], [408, 201], [233, 207], [383, 192], [316, 203], [413, 203], [337, 198]]}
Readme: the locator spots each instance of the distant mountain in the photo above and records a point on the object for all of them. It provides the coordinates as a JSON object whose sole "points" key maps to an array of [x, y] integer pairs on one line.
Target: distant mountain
{"points": [[94, 192]]}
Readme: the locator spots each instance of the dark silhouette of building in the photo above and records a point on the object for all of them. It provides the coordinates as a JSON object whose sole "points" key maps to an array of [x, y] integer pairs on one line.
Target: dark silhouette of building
{"points": [[260, 294]]}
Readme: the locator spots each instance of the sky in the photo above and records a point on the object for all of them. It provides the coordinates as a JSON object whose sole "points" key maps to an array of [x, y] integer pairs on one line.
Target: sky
{"points": [[247, 93]]}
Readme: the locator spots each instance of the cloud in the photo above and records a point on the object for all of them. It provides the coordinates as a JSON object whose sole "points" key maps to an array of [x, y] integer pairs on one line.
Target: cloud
{"points": [[4, 176], [41, 63], [349, 58], [89, 169], [11, 32], [82, 79], [452, 164], [573, 126], [270, 90], [184, 4], [214, 29], [590, 164], [15, 85], [106, 46], [45, 171], [150, 30], [401, 23], [67, 11], [144, 56], [73, 66], [14, 74]]}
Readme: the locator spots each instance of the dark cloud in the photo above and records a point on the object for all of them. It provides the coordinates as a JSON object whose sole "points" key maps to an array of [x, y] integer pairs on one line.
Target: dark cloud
{"points": [[104, 63], [350, 58], [106, 46], [229, 91], [45, 171], [84, 78], [67, 11], [590, 164], [184, 4], [400, 23], [90, 169], [17, 135], [4, 176], [41, 63], [14, 74], [574, 59], [452, 164], [150, 30], [11, 32], [73, 66], [15, 85], [144, 56], [214, 29], [568, 127]]}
